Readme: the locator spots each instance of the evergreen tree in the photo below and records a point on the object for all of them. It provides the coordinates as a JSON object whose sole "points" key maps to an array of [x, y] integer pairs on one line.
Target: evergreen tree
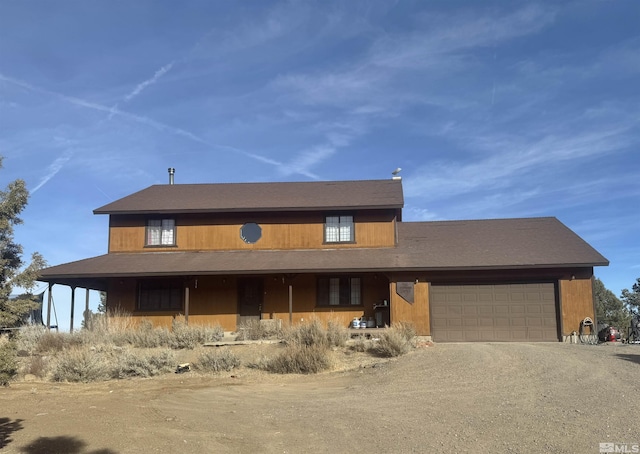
{"points": [[632, 298], [609, 308], [13, 311]]}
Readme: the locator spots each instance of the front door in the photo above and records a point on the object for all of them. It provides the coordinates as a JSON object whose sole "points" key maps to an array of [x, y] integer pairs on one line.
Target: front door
{"points": [[250, 293]]}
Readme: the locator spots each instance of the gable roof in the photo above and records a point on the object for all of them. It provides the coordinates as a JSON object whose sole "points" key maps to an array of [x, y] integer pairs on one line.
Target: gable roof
{"points": [[245, 197], [496, 244]]}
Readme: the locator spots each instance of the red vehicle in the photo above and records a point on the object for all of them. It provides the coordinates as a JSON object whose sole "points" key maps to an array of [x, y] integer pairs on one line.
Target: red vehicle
{"points": [[609, 334]]}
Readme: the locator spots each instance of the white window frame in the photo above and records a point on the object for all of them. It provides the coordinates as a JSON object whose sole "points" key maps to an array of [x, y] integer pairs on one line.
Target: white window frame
{"points": [[339, 229], [161, 232]]}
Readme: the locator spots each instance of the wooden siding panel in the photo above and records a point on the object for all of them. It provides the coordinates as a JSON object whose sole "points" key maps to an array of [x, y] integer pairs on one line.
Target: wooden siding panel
{"points": [[214, 301], [576, 296], [417, 313], [284, 231]]}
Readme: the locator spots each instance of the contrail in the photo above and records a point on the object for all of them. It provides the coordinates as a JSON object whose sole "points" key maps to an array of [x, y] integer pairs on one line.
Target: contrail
{"points": [[141, 86], [54, 168], [147, 121]]}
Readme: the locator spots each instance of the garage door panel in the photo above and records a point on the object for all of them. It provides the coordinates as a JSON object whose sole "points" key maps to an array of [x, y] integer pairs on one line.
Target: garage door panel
{"points": [[498, 312]]}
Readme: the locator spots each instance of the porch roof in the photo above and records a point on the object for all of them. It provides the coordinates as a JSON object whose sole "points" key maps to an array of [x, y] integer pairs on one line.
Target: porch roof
{"points": [[423, 246]]}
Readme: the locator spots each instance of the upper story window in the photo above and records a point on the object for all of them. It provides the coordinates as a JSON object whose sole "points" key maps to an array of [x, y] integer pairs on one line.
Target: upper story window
{"points": [[161, 232], [339, 229]]}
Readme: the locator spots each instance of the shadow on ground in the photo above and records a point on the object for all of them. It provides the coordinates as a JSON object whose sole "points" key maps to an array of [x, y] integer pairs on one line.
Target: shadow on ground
{"points": [[62, 445], [7, 427], [631, 358]]}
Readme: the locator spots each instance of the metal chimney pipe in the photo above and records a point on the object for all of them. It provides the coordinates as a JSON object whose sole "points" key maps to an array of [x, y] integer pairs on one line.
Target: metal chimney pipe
{"points": [[171, 172]]}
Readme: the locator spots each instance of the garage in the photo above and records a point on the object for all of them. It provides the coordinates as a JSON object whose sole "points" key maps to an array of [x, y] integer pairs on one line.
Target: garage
{"points": [[494, 312]]}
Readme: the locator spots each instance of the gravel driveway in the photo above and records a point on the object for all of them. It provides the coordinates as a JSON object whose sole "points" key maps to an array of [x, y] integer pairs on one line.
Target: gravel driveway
{"points": [[497, 397]]}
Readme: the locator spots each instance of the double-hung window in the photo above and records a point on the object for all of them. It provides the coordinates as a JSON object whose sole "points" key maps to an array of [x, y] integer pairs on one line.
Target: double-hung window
{"points": [[339, 291], [339, 229], [161, 232]]}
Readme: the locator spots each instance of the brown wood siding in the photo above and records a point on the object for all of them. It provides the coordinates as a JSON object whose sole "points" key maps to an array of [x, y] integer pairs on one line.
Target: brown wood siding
{"points": [[494, 312], [214, 301], [279, 231], [576, 297], [417, 313]]}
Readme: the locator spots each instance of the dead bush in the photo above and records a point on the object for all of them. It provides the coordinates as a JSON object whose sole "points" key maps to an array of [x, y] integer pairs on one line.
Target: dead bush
{"points": [[146, 336], [257, 330], [307, 334], [139, 364], [337, 334], [8, 361], [28, 338], [395, 341], [51, 342], [361, 345], [80, 365], [185, 336], [297, 358], [37, 365], [222, 360]]}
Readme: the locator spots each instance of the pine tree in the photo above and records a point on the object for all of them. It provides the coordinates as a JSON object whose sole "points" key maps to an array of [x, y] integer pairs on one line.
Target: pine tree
{"points": [[13, 273]]}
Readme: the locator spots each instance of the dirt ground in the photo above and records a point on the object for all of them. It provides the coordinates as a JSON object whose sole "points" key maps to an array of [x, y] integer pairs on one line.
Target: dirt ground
{"points": [[496, 397]]}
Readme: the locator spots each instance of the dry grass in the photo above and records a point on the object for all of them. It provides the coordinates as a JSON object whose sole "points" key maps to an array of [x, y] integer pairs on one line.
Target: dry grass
{"points": [[395, 341], [222, 360], [80, 365], [298, 359], [140, 364], [258, 330], [192, 336]]}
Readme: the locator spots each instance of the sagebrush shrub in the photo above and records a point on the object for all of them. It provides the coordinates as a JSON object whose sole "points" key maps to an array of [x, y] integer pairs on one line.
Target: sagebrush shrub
{"points": [[38, 366], [298, 359], [56, 342], [395, 341], [80, 365], [257, 330], [8, 361], [337, 334], [139, 364], [222, 360], [307, 334], [185, 336], [28, 338]]}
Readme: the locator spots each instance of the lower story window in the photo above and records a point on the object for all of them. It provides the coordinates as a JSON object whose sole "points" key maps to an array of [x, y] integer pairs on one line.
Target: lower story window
{"points": [[339, 291], [160, 295]]}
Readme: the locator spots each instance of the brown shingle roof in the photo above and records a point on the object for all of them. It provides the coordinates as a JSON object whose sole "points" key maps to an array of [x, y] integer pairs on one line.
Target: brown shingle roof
{"points": [[423, 246], [203, 198]]}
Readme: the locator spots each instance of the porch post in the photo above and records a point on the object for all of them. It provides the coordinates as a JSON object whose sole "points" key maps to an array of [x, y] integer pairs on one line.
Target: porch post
{"points": [[49, 300], [73, 304], [186, 304], [290, 304], [86, 310]]}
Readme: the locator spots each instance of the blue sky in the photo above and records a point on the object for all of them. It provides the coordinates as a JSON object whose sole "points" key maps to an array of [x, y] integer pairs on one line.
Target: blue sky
{"points": [[493, 109]]}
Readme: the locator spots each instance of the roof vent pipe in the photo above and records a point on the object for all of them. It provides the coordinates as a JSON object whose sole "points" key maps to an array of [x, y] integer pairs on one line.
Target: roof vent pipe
{"points": [[171, 172]]}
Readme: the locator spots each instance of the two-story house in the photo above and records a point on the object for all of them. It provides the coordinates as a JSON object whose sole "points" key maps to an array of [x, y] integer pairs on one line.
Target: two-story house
{"points": [[224, 253]]}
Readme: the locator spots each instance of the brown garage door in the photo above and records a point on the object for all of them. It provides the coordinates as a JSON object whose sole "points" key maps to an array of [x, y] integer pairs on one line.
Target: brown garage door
{"points": [[499, 312]]}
